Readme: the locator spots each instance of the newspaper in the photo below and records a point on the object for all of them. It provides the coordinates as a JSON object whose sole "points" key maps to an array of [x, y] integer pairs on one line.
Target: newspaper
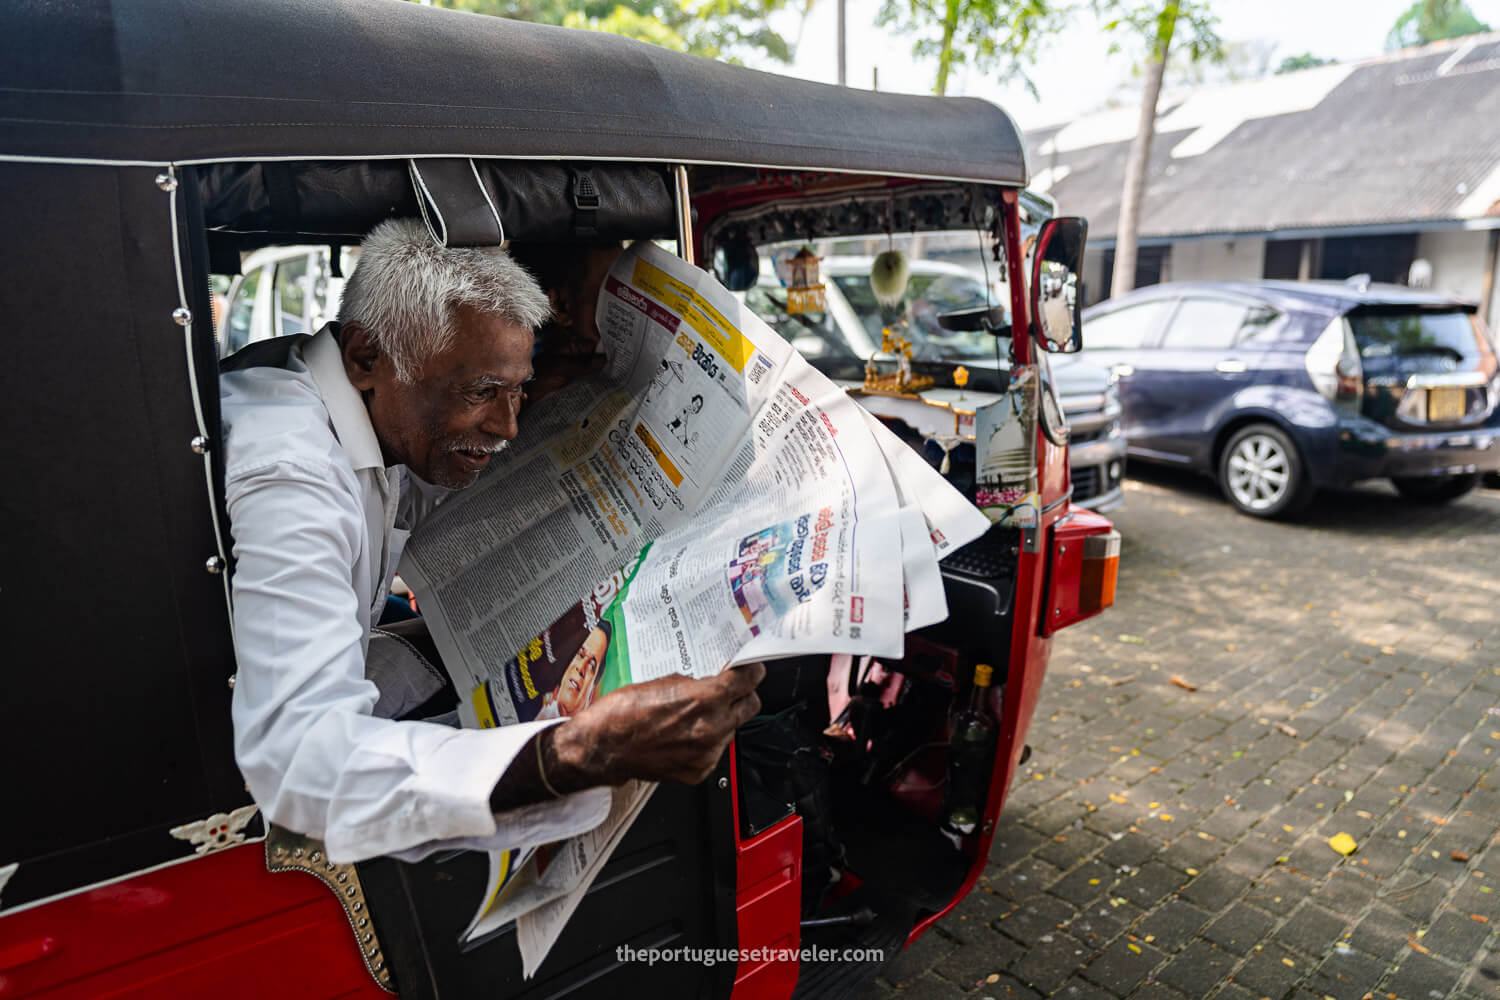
{"points": [[707, 499]]}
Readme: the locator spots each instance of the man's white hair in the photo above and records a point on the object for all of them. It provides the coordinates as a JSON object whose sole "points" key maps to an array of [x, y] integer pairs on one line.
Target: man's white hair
{"points": [[406, 288]]}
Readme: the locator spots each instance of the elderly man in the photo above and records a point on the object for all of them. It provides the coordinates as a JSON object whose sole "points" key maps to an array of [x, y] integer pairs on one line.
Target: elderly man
{"points": [[336, 445]]}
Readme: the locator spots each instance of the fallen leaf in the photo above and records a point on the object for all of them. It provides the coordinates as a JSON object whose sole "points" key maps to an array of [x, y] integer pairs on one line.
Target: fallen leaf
{"points": [[1115, 682], [1288, 963], [1166, 818], [1343, 843], [1179, 681], [992, 978], [1134, 640], [1479, 918], [1412, 944], [1458, 856], [1282, 727], [1133, 947], [1117, 798]]}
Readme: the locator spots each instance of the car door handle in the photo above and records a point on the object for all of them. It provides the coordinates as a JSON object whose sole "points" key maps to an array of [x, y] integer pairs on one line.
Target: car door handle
{"points": [[1122, 371], [1232, 367]]}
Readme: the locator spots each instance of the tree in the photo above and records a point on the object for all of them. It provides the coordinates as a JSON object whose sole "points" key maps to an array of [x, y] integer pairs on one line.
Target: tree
{"points": [[1431, 21], [719, 29], [1159, 23], [996, 35], [1306, 60]]}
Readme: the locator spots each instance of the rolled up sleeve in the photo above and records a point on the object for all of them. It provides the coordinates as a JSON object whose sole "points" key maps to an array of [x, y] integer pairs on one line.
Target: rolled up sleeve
{"points": [[315, 759]]}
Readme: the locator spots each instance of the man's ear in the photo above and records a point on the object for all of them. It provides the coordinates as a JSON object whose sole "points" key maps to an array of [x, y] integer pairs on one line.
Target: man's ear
{"points": [[562, 306], [360, 356]]}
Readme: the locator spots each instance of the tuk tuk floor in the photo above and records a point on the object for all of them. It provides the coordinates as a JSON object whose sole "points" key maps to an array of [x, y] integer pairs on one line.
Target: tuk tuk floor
{"points": [[1258, 689]]}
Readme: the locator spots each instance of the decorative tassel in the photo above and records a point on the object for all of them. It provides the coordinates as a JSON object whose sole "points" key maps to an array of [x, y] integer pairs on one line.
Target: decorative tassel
{"points": [[889, 277]]}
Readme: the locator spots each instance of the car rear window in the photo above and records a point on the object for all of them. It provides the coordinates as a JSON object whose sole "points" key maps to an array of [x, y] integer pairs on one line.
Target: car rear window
{"points": [[1410, 333]]}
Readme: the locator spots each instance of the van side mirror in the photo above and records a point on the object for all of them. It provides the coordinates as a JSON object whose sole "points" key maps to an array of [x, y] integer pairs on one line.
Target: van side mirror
{"points": [[1057, 285]]}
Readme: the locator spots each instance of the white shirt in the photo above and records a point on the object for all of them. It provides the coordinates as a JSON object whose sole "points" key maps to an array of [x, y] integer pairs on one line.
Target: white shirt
{"points": [[319, 523]]}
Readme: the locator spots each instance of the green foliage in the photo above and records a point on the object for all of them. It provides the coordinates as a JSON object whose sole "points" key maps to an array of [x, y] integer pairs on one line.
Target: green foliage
{"points": [[719, 29], [998, 36], [1431, 21], [1189, 25], [1305, 61]]}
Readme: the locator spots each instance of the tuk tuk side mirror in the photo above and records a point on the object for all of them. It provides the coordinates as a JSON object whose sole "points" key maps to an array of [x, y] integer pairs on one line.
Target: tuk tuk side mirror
{"points": [[1057, 285]]}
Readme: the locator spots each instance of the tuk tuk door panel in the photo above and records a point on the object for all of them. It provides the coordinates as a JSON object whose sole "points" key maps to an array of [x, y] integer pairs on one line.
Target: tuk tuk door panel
{"points": [[192, 928], [116, 715]]}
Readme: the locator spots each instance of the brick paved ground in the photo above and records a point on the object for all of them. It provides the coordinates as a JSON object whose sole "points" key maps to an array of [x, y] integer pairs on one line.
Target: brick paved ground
{"points": [[1165, 843]]}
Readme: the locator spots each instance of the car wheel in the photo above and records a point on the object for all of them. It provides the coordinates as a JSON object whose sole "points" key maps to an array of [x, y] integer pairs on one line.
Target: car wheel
{"points": [[1436, 489], [1261, 473]]}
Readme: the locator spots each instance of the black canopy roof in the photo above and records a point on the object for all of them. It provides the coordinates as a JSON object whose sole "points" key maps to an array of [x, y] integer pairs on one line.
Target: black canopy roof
{"points": [[195, 80]]}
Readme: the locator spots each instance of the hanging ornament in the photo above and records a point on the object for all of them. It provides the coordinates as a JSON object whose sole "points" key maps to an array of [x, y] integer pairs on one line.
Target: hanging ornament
{"points": [[889, 277], [960, 379], [804, 293]]}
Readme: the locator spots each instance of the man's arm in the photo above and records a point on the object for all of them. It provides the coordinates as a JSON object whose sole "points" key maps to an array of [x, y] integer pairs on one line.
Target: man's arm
{"points": [[314, 757], [670, 729]]}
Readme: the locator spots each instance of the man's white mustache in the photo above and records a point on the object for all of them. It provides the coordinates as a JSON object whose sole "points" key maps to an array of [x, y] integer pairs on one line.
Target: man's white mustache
{"points": [[488, 447]]}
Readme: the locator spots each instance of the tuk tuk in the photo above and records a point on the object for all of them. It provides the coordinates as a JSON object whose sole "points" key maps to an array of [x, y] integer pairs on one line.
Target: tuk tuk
{"points": [[150, 144]]}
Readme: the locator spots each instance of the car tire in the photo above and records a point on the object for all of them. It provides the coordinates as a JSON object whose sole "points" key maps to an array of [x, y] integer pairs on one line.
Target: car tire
{"points": [[1262, 473], [1436, 489]]}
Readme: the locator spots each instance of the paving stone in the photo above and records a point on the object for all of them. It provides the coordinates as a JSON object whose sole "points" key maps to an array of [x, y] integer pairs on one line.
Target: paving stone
{"points": [[1157, 991], [984, 956], [1152, 882], [1173, 924], [1239, 929], [1038, 917], [1123, 965], [1456, 936], [1079, 988], [1132, 849], [1420, 977], [1348, 975], [1215, 887], [1051, 962], [1197, 969], [1086, 883], [1267, 972], [1346, 891], [1013, 842], [1312, 930], [923, 953], [1069, 847], [1027, 879]]}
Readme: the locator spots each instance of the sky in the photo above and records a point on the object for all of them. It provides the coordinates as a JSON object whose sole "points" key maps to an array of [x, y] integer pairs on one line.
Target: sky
{"points": [[1074, 72]]}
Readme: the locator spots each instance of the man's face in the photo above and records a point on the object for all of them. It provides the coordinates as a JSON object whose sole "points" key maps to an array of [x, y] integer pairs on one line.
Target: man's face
{"points": [[578, 681], [460, 407]]}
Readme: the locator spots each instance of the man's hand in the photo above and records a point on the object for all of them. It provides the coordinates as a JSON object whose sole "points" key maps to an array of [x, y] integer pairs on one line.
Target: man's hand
{"points": [[669, 729]]}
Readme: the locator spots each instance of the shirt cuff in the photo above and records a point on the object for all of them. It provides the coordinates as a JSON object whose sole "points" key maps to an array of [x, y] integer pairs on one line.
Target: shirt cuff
{"points": [[448, 797]]}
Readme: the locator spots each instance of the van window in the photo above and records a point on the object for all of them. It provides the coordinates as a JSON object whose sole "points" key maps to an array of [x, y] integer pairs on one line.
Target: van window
{"points": [[241, 310], [1203, 324], [814, 334], [291, 296], [1125, 329]]}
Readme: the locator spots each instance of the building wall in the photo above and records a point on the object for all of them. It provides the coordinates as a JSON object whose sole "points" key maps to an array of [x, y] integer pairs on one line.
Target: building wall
{"points": [[1224, 260], [1457, 257]]}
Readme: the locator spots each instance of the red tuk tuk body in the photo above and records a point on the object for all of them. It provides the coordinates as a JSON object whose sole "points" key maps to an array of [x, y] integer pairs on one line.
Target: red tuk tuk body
{"points": [[148, 145]]}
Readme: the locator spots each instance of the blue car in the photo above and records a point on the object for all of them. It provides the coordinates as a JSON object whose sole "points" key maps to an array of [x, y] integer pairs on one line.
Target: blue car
{"points": [[1279, 388]]}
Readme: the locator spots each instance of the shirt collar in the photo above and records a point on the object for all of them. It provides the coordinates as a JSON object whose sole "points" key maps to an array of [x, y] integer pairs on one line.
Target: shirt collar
{"points": [[346, 410]]}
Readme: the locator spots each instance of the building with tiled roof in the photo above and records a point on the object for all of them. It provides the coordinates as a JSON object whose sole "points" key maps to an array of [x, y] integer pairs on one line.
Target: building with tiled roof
{"points": [[1389, 167]]}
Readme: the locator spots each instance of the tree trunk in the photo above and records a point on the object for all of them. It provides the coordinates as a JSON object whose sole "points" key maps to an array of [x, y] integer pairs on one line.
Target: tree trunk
{"points": [[945, 55], [1134, 192]]}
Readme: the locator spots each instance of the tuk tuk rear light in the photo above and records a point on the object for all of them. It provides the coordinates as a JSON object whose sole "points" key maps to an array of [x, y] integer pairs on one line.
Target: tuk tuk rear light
{"points": [[1101, 571], [1083, 569]]}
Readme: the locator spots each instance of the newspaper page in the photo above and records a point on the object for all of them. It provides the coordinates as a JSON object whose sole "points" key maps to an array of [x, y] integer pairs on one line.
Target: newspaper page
{"points": [[708, 498]]}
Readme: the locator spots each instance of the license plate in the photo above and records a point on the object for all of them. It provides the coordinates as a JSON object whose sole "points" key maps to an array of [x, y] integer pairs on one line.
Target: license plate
{"points": [[1445, 403]]}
